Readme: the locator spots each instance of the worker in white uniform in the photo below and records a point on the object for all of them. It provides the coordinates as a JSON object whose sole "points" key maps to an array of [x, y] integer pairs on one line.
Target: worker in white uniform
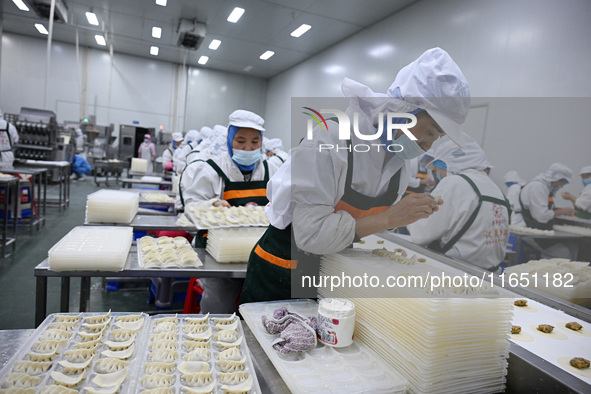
{"points": [[514, 183], [168, 154], [322, 201], [418, 177], [536, 209], [236, 177], [8, 138], [147, 151], [198, 151], [274, 152], [179, 156], [582, 203], [473, 224]]}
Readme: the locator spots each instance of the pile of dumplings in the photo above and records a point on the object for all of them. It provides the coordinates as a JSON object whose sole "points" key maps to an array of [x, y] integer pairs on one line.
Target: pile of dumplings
{"points": [[194, 355], [157, 197], [75, 352], [166, 252], [207, 216], [529, 230]]}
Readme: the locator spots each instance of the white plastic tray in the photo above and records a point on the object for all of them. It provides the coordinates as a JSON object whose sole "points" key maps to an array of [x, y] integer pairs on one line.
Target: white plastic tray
{"points": [[353, 369], [111, 206], [89, 248], [242, 216], [232, 245]]}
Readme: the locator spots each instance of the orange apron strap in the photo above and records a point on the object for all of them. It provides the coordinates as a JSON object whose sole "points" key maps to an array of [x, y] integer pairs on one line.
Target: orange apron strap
{"points": [[356, 212], [231, 194], [263, 254]]}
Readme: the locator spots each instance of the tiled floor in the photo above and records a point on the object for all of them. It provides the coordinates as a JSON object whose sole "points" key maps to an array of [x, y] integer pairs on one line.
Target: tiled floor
{"points": [[17, 282]]}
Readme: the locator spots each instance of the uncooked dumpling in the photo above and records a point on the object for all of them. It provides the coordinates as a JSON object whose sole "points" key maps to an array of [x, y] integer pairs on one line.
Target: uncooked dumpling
{"points": [[197, 320], [110, 379], [67, 380], [165, 336], [230, 354], [156, 367], [98, 318], [233, 378], [224, 320], [188, 367], [156, 380], [19, 380], [55, 335], [207, 389], [56, 389], [163, 345], [120, 345], [163, 356], [31, 368], [226, 336], [130, 325], [67, 318], [110, 365], [120, 354], [194, 345], [240, 388], [231, 365], [200, 354], [198, 379]]}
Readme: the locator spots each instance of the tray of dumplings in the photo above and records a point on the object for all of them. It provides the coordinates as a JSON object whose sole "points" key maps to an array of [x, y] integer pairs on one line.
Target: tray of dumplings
{"points": [[205, 216], [71, 352], [196, 354], [166, 252]]}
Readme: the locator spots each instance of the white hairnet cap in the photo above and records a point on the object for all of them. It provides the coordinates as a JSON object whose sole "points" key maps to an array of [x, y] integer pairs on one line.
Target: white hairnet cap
{"points": [[458, 159], [513, 177], [274, 144], [205, 132], [585, 170], [243, 118], [434, 82], [177, 136], [218, 129], [558, 171], [192, 135]]}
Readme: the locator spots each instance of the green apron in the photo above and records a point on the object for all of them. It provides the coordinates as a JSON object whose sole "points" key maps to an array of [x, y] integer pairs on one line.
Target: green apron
{"points": [[435, 245], [582, 214], [529, 219], [237, 194], [276, 266]]}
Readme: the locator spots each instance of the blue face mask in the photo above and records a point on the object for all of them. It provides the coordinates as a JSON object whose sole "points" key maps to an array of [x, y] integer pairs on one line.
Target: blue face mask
{"points": [[410, 148], [438, 176], [146, 140], [586, 181], [246, 157], [556, 188]]}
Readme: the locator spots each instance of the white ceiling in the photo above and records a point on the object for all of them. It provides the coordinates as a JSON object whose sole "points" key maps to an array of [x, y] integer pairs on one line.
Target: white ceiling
{"points": [[265, 25]]}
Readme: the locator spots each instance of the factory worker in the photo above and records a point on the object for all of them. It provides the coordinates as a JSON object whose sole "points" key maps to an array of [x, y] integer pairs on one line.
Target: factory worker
{"points": [[8, 138], [201, 151], [536, 199], [274, 152], [514, 184], [235, 177], [80, 168], [418, 176], [168, 154], [179, 156], [321, 201], [147, 151], [473, 223], [583, 201]]}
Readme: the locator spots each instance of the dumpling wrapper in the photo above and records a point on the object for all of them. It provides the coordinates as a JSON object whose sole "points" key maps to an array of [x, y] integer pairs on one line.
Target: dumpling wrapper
{"points": [[187, 367], [67, 380], [132, 325], [243, 387], [120, 354], [200, 390], [120, 345], [70, 365], [110, 379], [201, 336]]}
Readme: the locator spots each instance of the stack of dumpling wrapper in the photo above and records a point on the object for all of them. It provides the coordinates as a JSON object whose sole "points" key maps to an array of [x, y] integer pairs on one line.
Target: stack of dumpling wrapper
{"points": [[111, 206], [576, 289], [139, 165], [90, 248], [441, 342], [232, 245]]}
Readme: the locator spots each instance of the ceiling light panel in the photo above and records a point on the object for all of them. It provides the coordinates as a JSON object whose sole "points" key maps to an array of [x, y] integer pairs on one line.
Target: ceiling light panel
{"points": [[41, 29], [236, 14], [215, 44], [300, 30], [100, 40], [154, 51], [161, 2], [267, 55], [21, 5], [156, 32], [203, 60], [92, 19]]}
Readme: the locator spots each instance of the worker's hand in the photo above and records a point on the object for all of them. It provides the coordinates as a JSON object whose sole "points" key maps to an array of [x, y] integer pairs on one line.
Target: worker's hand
{"points": [[427, 182], [412, 208], [222, 203], [564, 212]]}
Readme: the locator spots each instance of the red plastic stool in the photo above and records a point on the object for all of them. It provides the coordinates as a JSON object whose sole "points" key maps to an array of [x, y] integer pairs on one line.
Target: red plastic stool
{"points": [[194, 292]]}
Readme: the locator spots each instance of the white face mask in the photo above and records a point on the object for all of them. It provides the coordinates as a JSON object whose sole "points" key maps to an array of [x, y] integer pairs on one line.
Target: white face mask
{"points": [[410, 148], [246, 157]]}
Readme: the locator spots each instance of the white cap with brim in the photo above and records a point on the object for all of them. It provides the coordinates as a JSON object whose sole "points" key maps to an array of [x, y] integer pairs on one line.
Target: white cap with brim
{"points": [[177, 136], [458, 159], [243, 118], [585, 170]]}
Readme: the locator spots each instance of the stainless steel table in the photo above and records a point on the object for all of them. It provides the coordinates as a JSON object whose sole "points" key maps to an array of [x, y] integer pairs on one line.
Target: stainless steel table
{"points": [[38, 194], [574, 221], [269, 380], [150, 222], [210, 269], [10, 200], [127, 182], [529, 239], [63, 171], [109, 166]]}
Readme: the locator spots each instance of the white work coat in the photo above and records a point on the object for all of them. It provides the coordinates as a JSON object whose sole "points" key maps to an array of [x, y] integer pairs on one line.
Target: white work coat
{"points": [[534, 196], [167, 156], [413, 170], [179, 157], [200, 182], [306, 194], [513, 196], [583, 202], [7, 143], [485, 241]]}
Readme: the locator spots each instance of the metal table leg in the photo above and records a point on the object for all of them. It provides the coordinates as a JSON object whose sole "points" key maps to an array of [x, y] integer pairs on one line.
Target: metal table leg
{"points": [[7, 195], [65, 295], [40, 300], [85, 293]]}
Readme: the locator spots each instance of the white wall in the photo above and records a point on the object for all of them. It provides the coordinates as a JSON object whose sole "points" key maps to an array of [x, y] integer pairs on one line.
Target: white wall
{"points": [[125, 90], [506, 48]]}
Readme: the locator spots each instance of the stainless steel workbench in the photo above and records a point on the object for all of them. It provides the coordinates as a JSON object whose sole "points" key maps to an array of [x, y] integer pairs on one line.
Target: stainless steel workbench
{"points": [[150, 222]]}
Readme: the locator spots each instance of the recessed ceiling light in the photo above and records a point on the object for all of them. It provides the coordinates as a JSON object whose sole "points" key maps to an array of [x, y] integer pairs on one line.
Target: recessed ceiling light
{"points": [[41, 29], [154, 51], [235, 14], [100, 40], [21, 6], [156, 32], [161, 2], [92, 19], [247, 68], [300, 30], [215, 44], [267, 55], [203, 60]]}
